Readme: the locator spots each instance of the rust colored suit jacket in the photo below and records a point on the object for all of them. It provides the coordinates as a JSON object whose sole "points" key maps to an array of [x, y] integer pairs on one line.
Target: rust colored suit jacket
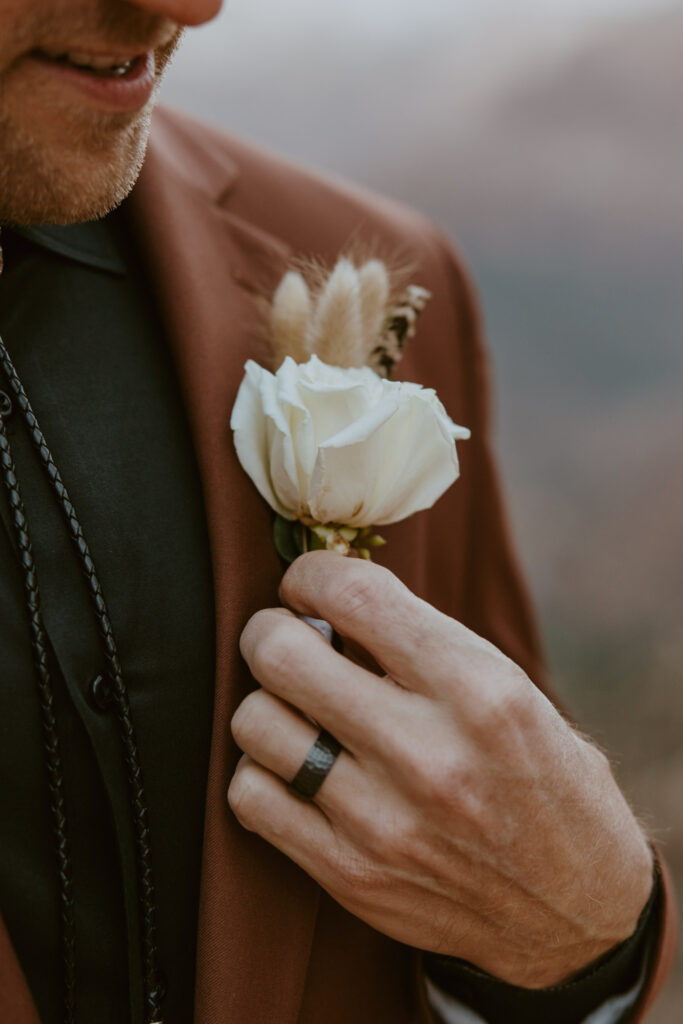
{"points": [[218, 222]]}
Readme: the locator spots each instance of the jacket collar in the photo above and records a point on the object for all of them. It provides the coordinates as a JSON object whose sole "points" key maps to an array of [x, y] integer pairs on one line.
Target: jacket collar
{"points": [[257, 909]]}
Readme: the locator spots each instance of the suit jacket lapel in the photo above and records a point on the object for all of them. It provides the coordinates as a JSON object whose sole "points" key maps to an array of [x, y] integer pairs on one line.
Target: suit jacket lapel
{"points": [[257, 909]]}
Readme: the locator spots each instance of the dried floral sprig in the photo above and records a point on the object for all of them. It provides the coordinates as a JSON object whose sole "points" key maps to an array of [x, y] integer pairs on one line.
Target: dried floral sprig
{"points": [[346, 317], [400, 325]]}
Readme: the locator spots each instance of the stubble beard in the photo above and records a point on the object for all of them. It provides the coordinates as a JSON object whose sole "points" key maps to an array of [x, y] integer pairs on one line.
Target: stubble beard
{"points": [[93, 174], [62, 164]]}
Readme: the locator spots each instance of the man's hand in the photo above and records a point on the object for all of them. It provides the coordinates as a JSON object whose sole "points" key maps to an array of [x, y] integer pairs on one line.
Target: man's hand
{"points": [[463, 815]]}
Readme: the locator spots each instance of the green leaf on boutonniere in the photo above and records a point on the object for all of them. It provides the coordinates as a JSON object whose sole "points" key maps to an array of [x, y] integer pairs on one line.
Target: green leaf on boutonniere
{"points": [[294, 538], [286, 533], [315, 542]]}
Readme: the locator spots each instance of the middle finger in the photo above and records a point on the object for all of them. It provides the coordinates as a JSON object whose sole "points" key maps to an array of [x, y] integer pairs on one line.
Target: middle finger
{"points": [[292, 661]]}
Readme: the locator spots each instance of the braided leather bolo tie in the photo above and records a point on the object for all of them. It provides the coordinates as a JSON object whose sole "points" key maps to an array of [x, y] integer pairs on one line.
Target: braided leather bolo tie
{"points": [[117, 693]]}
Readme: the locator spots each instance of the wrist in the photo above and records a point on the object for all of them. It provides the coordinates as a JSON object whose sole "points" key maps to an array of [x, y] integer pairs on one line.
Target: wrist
{"points": [[618, 912], [617, 974]]}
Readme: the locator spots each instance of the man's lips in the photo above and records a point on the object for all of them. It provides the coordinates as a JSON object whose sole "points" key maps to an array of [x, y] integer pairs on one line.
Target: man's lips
{"points": [[111, 81], [97, 63]]}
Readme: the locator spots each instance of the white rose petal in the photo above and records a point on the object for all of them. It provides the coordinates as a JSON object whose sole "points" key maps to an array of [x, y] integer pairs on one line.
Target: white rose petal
{"points": [[343, 445]]}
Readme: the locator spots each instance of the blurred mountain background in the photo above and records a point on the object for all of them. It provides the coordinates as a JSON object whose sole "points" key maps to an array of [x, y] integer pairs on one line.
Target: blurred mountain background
{"points": [[550, 148]]}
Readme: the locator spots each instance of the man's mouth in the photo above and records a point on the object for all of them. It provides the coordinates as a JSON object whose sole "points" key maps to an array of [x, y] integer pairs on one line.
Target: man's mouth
{"points": [[116, 77], [100, 66]]}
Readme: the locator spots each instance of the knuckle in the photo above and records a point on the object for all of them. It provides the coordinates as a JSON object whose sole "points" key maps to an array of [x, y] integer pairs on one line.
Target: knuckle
{"points": [[452, 792], [304, 576], [272, 653], [445, 786], [441, 781], [406, 845], [253, 629], [352, 597], [427, 766], [504, 714], [382, 837], [249, 720], [354, 592], [357, 875], [243, 797]]}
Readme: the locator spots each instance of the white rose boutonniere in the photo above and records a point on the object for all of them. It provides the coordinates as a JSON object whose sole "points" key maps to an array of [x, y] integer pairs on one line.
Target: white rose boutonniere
{"points": [[337, 450]]}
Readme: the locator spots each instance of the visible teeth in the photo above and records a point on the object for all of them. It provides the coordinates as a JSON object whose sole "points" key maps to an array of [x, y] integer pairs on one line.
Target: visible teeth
{"points": [[89, 60]]}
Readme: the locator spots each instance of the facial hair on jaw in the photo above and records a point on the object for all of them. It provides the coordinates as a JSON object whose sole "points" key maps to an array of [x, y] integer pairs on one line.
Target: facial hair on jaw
{"points": [[99, 163]]}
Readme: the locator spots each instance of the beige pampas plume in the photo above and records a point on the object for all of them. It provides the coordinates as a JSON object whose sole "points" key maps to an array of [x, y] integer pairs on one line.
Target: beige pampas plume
{"points": [[336, 336], [290, 319], [375, 288], [360, 313]]}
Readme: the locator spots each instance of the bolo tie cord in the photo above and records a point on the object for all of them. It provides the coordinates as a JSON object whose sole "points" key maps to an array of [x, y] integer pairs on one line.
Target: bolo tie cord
{"points": [[119, 699], [51, 746]]}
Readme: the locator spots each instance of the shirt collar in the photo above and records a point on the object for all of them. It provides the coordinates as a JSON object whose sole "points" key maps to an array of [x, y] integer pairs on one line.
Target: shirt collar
{"points": [[94, 243]]}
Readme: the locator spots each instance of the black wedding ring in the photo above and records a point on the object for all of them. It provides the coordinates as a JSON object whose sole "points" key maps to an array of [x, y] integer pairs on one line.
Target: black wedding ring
{"points": [[316, 767]]}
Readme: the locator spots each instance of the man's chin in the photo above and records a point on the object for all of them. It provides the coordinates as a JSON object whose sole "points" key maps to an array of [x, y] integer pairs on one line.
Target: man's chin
{"points": [[57, 185]]}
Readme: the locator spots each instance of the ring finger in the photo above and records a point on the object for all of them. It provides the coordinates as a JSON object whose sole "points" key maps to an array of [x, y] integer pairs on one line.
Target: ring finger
{"points": [[279, 738]]}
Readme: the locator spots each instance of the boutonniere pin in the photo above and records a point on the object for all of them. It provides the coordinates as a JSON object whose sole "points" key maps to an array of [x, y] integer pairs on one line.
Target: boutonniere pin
{"points": [[334, 445]]}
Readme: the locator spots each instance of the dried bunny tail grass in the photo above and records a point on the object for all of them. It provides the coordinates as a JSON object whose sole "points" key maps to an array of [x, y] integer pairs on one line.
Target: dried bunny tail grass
{"points": [[342, 315], [290, 319], [337, 320], [398, 260], [375, 290], [398, 266], [314, 271]]}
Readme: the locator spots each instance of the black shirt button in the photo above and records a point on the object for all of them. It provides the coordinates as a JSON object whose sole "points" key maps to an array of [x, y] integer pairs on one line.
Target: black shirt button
{"points": [[5, 405], [99, 694]]}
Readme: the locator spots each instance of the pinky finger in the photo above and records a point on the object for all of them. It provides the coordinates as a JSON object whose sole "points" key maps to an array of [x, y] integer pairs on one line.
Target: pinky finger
{"points": [[262, 803]]}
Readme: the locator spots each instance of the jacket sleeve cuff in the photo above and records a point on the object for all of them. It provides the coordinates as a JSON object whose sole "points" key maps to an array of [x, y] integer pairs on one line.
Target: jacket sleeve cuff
{"points": [[498, 1002]]}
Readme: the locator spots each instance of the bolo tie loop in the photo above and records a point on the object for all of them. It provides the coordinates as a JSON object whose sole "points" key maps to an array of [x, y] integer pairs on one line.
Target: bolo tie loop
{"points": [[138, 800], [51, 745]]}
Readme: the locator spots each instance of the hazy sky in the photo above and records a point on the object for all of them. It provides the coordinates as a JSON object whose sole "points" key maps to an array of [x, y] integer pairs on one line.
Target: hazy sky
{"points": [[252, 36], [381, 14], [386, 17]]}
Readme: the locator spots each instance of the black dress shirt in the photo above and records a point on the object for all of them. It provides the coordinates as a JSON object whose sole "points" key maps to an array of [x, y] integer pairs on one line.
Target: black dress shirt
{"points": [[78, 319]]}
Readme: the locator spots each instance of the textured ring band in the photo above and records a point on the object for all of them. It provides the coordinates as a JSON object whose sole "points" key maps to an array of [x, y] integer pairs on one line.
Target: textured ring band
{"points": [[316, 767]]}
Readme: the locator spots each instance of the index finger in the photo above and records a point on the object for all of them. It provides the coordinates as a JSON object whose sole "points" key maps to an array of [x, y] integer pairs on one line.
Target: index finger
{"points": [[418, 646]]}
